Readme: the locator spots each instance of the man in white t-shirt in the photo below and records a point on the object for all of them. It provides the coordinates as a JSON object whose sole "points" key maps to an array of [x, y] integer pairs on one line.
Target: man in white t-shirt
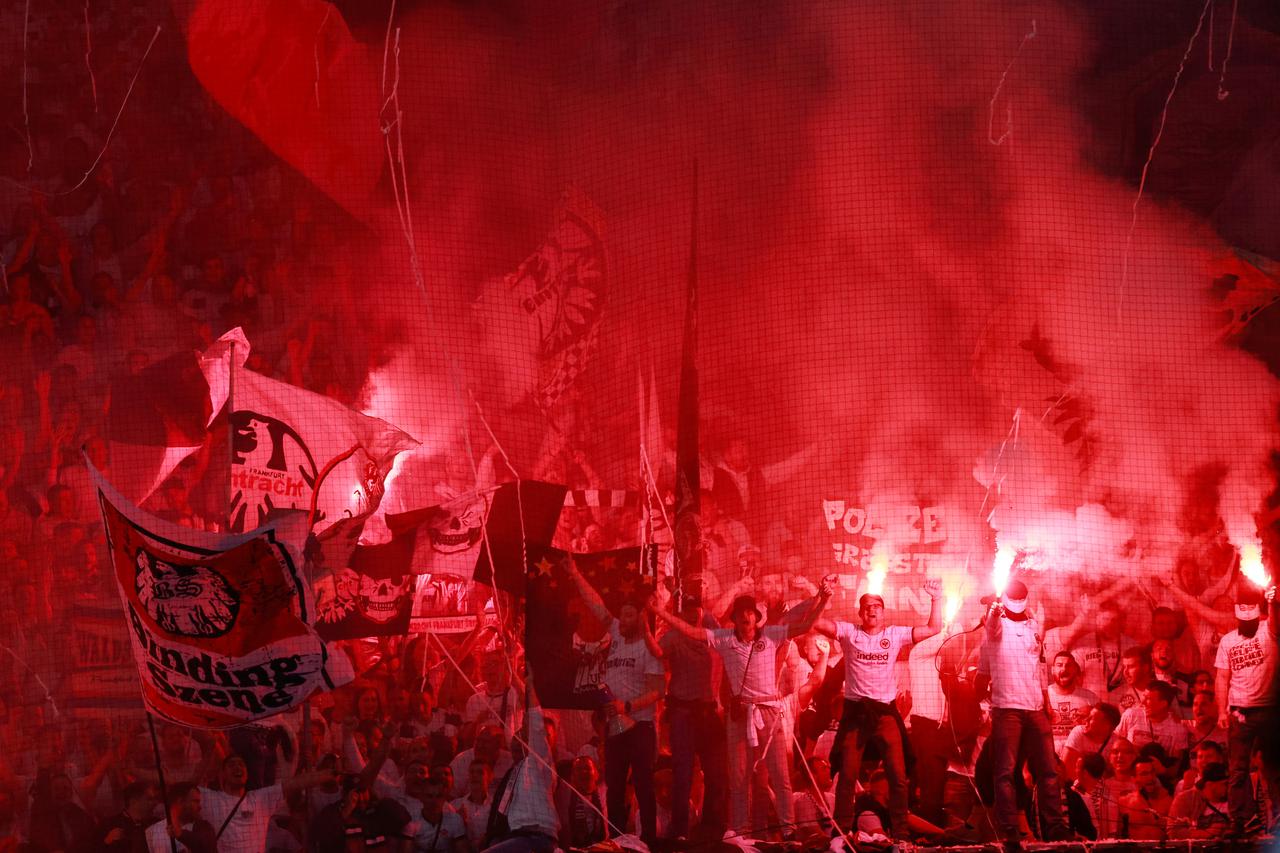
{"points": [[1014, 654], [474, 807], [241, 817], [1069, 703], [634, 679], [1246, 667], [1153, 720], [436, 828], [870, 714], [497, 700], [754, 728]]}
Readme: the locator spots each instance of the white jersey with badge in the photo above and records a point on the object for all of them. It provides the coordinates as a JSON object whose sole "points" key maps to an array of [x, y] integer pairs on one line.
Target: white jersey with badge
{"points": [[869, 660], [246, 831], [751, 668], [1251, 665]]}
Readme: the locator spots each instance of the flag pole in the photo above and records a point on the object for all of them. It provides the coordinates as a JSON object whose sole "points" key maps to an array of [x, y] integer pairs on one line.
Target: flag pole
{"points": [[231, 434], [687, 538], [164, 789]]}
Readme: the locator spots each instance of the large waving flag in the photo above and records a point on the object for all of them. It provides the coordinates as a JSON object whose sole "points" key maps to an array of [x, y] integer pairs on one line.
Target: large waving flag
{"points": [[160, 416], [364, 590], [286, 438], [221, 625]]}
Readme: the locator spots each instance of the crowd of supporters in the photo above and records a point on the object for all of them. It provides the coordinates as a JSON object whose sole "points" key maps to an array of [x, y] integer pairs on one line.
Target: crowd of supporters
{"points": [[730, 715]]}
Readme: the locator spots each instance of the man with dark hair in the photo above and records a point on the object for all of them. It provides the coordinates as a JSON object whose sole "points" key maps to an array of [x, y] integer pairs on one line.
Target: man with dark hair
{"points": [[437, 828], [182, 824], [1201, 811], [1246, 666], [1013, 658], [1090, 737], [240, 815], [1135, 670], [633, 681], [1153, 721], [1146, 810], [870, 689], [127, 831], [1069, 703]]}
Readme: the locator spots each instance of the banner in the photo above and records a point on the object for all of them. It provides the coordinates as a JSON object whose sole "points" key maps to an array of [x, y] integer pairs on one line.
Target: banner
{"points": [[161, 415], [220, 624], [286, 436], [561, 288], [104, 678], [565, 643], [904, 544], [450, 533], [448, 604], [371, 594]]}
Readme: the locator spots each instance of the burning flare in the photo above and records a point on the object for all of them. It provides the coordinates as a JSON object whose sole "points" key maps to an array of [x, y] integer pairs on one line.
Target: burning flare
{"points": [[875, 575], [1251, 564]]}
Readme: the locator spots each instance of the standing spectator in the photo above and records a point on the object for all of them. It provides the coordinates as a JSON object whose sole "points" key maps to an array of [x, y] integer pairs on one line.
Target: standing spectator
{"points": [[1246, 666], [127, 831], [751, 656], [582, 812], [694, 723], [242, 816], [1020, 713], [634, 680], [1098, 651], [436, 827], [474, 807], [1069, 703], [524, 817], [183, 824], [870, 691]]}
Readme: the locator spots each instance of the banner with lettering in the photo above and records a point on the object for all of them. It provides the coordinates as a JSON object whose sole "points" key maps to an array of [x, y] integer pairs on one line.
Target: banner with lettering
{"points": [[221, 625]]}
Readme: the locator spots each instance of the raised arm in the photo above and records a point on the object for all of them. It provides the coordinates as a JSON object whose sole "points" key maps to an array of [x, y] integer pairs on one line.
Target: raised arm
{"points": [[805, 625], [693, 632], [1196, 608], [589, 595], [932, 586]]}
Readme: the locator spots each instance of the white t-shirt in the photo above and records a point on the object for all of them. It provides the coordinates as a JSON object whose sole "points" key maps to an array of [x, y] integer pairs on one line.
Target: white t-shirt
{"points": [[1251, 663], [1079, 740], [1014, 653], [1125, 697], [461, 767], [1137, 728], [1068, 710], [752, 668], [482, 708], [158, 838], [475, 816], [1099, 658], [246, 832], [869, 660], [436, 837], [627, 669]]}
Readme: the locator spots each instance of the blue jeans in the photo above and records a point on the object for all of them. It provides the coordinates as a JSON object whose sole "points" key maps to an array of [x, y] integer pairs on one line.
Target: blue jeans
{"points": [[1014, 731], [697, 733]]}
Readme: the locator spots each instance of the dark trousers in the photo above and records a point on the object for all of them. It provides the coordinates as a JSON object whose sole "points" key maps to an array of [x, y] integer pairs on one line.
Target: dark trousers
{"points": [[1257, 728], [1014, 731], [631, 755], [532, 843], [865, 721], [697, 733], [932, 743]]}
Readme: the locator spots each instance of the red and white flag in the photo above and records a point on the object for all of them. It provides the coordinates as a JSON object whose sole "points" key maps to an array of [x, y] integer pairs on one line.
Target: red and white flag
{"points": [[285, 439], [220, 624]]}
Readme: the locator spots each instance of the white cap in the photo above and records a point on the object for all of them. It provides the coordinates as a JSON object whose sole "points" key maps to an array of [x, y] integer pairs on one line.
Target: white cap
{"points": [[1248, 612]]}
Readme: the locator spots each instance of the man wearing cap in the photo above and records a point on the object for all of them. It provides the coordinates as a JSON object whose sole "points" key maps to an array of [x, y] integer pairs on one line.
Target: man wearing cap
{"points": [[870, 688], [1020, 711], [1246, 667], [754, 729], [1201, 811]]}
